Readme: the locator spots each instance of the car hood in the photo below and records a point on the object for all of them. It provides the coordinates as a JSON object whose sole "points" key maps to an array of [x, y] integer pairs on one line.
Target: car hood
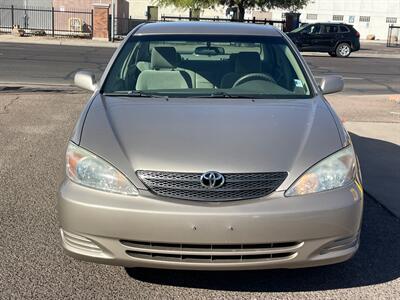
{"points": [[198, 135]]}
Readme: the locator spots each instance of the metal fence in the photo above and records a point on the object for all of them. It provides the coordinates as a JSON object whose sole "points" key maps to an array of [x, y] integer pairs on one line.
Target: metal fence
{"points": [[49, 21], [393, 36], [280, 24], [122, 26]]}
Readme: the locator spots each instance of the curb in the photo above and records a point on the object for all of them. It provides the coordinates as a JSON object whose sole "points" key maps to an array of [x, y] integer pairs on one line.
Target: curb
{"points": [[59, 42]]}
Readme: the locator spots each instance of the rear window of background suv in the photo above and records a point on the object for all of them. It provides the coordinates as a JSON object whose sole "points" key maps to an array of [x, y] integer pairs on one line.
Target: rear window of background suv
{"points": [[344, 29]]}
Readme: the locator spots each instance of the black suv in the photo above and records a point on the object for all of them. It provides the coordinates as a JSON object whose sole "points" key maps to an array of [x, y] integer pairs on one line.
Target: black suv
{"points": [[338, 39]]}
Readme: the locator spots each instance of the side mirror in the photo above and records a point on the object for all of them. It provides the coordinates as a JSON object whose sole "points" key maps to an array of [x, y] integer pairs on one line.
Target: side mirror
{"points": [[332, 84], [85, 80]]}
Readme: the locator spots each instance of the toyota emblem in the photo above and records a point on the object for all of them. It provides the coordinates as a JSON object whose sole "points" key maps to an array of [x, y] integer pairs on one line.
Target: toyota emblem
{"points": [[212, 180]]}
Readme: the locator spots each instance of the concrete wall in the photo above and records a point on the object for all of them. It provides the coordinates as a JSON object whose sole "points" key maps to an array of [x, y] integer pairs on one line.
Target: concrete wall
{"points": [[28, 3], [31, 19]]}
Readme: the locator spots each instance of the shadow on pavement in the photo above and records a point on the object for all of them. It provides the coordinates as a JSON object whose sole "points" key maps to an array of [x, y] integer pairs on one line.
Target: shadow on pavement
{"points": [[377, 261], [380, 166]]}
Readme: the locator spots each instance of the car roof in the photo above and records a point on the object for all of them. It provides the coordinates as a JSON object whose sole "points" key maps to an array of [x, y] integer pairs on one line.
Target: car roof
{"points": [[331, 23], [207, 28]]}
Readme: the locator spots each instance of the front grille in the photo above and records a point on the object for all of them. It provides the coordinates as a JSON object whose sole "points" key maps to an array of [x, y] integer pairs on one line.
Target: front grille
{"points": [[238, 186], [211, 253]]}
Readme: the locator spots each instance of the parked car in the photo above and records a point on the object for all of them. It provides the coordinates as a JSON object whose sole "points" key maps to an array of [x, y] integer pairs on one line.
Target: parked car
{"points": [[337, 39], [210, 146]]}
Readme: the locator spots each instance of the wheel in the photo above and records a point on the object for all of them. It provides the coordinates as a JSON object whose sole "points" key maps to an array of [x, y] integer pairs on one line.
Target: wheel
{"points": [[333, 54], [343, 50]]}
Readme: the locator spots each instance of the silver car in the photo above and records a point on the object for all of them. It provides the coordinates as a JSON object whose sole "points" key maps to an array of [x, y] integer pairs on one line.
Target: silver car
{"points": [[210, 146]]}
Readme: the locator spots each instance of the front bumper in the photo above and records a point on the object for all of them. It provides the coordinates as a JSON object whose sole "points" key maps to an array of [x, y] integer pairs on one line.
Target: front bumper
{"points": [[269, 232]]}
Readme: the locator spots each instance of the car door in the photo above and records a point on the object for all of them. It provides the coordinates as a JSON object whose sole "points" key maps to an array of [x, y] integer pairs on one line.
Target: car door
{"points": [[310, 36], [328, 37]]}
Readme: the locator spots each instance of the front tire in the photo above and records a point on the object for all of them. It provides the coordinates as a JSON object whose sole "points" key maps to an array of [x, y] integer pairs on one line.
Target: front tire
{"points": [[343, 50]]}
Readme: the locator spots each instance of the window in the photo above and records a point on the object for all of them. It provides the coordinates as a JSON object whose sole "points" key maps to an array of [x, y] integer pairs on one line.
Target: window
{"points": [[331, 29], [365, 19], [313, 29], [391, 20], [344, 29], [352, 19], [207, 66], [338, 18], [312, 16]]}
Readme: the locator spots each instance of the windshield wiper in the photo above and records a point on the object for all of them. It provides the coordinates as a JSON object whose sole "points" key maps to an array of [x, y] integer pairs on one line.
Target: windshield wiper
{"points": [[134, 94], [224, 95]]}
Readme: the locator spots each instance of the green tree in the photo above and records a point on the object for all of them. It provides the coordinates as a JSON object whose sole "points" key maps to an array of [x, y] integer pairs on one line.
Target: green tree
{"points": [[291, 5], [190, 4]]}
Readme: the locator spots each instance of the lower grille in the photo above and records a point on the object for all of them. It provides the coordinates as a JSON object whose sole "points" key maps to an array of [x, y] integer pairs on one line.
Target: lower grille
{"points": [[187, 186], [211, 253]]}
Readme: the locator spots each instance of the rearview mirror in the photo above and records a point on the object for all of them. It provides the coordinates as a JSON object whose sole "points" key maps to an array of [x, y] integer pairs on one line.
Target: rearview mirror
{"points": [[210, 51], [85, 80], [332, 84]]}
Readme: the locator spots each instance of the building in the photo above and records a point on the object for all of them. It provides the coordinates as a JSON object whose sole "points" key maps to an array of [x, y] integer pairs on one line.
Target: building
{"points": [[26, 3], [121, 6], [22, 17], [83, 21], [139, 9], [367, 16]]}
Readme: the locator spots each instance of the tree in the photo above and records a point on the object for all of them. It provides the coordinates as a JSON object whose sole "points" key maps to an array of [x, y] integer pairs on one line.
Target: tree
{"points": [[190, 4], [291, 5]]}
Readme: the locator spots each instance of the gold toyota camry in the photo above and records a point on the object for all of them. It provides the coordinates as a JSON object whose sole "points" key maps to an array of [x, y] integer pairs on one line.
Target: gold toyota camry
{"points": [[210, 146]]}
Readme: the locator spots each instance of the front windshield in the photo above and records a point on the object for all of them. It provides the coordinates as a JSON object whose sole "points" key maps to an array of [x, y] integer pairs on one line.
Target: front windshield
{"points": [[210, 65]]}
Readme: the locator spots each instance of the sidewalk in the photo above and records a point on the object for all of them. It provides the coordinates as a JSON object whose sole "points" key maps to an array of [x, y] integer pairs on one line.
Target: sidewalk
{"points": [[373, 122], [47, 40], [378, 149]]}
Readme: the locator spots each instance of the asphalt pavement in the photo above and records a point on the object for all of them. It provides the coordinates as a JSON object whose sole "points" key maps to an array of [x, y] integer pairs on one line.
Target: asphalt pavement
{"points": [[34, 129], [35, 124], [57, 64]]}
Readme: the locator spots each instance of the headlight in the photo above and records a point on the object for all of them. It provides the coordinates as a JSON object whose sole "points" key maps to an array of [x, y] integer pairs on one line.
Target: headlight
{"points": [[332, 172], [89, 170]]}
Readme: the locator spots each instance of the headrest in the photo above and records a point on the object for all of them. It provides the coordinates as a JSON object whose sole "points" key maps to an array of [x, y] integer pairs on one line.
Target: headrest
{"points": [[163, 58], [247, 62]]}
